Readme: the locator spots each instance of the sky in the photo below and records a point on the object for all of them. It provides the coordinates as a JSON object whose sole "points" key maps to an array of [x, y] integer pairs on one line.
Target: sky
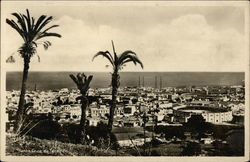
{"points": [[165, 36]]}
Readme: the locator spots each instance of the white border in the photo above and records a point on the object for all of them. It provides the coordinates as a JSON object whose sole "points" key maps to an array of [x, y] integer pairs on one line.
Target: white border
{"points": [[131, 159]]}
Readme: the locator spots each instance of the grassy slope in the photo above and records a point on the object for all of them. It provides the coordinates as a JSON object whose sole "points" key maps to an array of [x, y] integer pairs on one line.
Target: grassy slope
{"points": [[30, 146], [160, 150]]}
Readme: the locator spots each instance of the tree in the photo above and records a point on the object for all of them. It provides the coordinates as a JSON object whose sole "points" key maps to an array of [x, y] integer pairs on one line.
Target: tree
{"points": [[117, 62], [197, 124], [30, 31], [192, 149], [82, 82]]}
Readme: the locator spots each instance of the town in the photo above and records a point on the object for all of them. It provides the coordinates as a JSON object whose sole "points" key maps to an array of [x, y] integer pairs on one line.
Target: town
{"points": [[168, 106]]}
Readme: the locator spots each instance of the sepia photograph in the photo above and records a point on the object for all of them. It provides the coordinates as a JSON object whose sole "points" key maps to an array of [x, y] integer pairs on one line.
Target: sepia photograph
{"points": [[87, 80]]}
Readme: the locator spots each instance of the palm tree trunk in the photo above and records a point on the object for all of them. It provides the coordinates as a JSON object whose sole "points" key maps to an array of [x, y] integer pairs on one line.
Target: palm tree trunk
{"points": [[82, 83], [82, 131], [113, 102], [20, 110]]}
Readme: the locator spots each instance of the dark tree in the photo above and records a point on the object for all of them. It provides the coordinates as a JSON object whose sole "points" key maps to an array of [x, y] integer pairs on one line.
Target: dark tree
{"points": [[197, 124], [192, 149]]}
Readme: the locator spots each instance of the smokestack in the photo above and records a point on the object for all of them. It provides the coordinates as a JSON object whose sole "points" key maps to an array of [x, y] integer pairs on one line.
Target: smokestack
{"points": [[160, 82], [139, 83], [155, 81], [143, 81]]}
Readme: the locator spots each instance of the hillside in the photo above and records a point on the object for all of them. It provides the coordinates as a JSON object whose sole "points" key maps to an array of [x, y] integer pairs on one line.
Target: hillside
{"points": [[30, 146]]}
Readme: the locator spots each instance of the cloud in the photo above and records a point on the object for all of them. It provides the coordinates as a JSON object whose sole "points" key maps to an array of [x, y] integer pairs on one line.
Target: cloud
{"points": [[186, 43], [189, 43]]}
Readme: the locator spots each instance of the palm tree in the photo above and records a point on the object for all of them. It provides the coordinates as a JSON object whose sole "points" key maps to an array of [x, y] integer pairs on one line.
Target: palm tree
{"points": [[82, 82], [117, 62], [30, 31]]}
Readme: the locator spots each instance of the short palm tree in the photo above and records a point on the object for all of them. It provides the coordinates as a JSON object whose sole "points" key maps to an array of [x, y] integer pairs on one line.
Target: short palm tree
{"points": [[82, 82], [117, 62], [31, 31]]}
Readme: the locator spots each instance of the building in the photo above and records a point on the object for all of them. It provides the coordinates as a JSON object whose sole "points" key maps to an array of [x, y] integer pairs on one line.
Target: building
{"points": [[92, 121], [210, 114], [100, 111], [129, 110]]}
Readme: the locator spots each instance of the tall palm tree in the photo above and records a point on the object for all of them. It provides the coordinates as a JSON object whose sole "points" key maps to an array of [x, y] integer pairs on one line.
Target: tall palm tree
{"points": [[30, 31], [117, 62]]}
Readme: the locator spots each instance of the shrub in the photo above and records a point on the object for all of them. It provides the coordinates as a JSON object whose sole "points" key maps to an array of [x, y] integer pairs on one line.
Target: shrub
{"points": [[192, 149], [46, 129], [101, 137]]}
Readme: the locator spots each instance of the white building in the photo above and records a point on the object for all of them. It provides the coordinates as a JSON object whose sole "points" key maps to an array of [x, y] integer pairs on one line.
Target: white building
{"points": [[99, 111], [129, 110]]}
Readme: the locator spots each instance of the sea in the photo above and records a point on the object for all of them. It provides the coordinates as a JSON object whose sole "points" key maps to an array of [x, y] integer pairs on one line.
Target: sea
{"points": [[58, 80]]}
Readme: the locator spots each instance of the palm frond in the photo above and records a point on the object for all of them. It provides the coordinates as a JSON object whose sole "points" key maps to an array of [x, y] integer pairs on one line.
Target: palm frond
{"points": [[48, 35], [81, 77], [45, 22], [73, 78], [126, 53], [16, 27], [37, 24], [49, 43], [115, 55], [105, 54], [21, 21], [39, 21], [10, 59], [38, 58], [116, 62], [133, 59], [33, 23], [113, 46], [28, 27], [28, 14], [53, 26], [46, 45], [30, 30], [111, 57], [35, 44], [28, 20]]}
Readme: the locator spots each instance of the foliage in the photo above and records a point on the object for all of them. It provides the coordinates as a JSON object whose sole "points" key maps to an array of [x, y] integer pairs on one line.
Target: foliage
{"points": [[197, 124], [171, 131], [100, 135], [192, 149], [119, 61], [46, 129], [95, 135], [31, 31], [220, 149], [219, 132]]}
